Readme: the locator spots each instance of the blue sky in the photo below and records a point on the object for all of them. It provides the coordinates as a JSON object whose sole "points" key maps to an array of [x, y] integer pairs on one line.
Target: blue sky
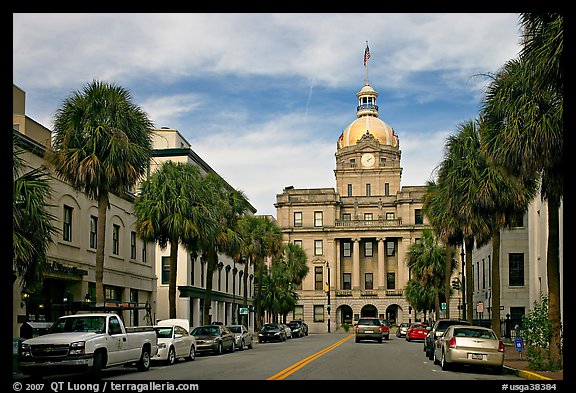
{"points": [[263, 98]]}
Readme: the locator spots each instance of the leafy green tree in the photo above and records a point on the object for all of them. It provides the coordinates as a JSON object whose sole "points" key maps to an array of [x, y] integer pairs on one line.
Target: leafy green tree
{"points": [[173, 207], [420, 296], [445, 227], [426, 260], [101, 144], [524, 106], [32, 223]]}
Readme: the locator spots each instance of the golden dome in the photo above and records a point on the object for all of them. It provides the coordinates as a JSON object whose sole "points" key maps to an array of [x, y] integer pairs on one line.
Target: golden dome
{"points": [[380, 130]]}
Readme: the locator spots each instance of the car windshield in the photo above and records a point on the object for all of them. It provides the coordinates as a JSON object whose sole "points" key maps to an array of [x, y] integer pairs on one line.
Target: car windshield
{"points": [[443, 325], [293, 325], [79, 324], [164, 332], [206, 331], [236, 329], [474, 333], [270, 327]]}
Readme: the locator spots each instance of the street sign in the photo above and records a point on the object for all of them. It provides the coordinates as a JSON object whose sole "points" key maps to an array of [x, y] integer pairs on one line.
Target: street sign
{"points": [[443, 306], [244, 311], [518, 344]]}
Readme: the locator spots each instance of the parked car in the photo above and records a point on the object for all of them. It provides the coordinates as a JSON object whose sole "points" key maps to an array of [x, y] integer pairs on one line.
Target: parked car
{"points": [[214, 338], [287, 329], [416, 331], [243, 338], [369, 328], [469, 345], [402, 329], [437, 330], [299, 328], [174, 341], [271, 332], [385, 329]]}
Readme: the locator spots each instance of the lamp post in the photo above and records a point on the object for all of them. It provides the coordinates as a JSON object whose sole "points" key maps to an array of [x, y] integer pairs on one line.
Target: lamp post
{"points": [[25, 296], [328, 293]]}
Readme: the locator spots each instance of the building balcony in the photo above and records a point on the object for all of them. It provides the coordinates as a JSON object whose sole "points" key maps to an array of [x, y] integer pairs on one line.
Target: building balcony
{"points": [[369, 293], [368, 223]]}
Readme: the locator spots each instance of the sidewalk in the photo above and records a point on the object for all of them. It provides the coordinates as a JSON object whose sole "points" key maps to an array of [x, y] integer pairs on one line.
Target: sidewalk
{"points": [[515, 362]]}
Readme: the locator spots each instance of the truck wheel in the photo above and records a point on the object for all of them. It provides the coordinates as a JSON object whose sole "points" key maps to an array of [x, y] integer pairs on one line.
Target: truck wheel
{"points": [[97, 365], [171, 359], [144, 362]]}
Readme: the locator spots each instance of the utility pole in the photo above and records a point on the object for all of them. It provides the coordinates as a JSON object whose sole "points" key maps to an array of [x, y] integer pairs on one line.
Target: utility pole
{"points": [[328, 293]]}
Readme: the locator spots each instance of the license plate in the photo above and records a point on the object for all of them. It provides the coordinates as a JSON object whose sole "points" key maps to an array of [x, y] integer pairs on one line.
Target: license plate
{"points": [[368, 331], [475, 356]]}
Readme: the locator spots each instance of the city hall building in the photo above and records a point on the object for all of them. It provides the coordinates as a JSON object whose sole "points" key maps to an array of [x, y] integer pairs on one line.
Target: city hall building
{"points": [[357, 236]]}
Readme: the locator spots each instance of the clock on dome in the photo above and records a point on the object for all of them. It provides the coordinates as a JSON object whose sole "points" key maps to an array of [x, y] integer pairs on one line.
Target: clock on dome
{"points": [[368, 159]]}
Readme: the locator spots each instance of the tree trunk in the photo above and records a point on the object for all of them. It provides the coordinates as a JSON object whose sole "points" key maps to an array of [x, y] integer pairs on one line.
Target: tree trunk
{"points": [[469, 281], [448, 278], [495, 285], [100, 247], [260, 265], [245, 289], [212, 258], [553, 273], [173, 276]]}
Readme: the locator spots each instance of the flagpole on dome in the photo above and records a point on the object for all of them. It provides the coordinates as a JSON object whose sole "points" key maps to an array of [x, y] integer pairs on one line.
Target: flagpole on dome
{"points": [[366, 57]]}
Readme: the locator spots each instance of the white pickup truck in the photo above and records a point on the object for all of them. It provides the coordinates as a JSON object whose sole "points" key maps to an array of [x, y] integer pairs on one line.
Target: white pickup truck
{"points": [[87, 343]]}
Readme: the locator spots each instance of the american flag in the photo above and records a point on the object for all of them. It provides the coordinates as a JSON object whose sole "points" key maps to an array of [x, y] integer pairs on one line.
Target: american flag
{"points": [[366, 54]]}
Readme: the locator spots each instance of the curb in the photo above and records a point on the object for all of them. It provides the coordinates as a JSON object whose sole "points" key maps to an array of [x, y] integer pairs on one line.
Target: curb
{"points": [[526, 374]]}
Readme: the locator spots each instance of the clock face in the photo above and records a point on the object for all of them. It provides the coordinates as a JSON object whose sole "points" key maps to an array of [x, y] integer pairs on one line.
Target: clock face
{"points": [[368, 159]]}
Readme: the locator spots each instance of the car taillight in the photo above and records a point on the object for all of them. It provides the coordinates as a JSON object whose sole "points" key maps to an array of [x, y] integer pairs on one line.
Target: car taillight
{"points": [[356, 327], [500, 346], [452, 343]]}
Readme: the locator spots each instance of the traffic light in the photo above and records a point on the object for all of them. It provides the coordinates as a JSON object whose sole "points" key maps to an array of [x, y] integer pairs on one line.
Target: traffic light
{"points": [[455, 284]]}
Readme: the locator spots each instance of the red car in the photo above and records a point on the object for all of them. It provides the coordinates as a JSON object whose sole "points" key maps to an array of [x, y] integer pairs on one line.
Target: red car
{"points": [[416, 331]]}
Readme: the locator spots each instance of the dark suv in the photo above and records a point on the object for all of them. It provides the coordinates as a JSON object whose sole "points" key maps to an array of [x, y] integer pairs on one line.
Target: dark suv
{"points": [[299, 328], [437, 330]]}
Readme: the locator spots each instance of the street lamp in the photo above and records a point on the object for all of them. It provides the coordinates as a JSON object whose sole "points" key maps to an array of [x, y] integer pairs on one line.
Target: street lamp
{"points": [[25, 296], [328, 293]]}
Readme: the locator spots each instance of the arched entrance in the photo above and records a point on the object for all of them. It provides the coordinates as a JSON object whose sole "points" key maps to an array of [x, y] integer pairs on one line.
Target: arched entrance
{"points": [[369, 310], [392, 313], [345, 315]]}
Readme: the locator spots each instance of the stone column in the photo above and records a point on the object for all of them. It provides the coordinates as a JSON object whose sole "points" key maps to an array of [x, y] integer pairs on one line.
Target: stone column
{"points": [[381, 281], [337, 262], [355, 263]]}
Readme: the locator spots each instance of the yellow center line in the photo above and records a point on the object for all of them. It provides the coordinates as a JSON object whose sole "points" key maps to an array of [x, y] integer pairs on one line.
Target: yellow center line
{"points": [[297, 366]]}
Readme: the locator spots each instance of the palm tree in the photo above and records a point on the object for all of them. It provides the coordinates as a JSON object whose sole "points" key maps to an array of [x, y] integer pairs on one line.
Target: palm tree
{"points": [[427, 259], [445, 227], [173, 208], [421, 297], [32, 222], [459, 174], [524, 105], [295, 260], [101, 144], [229, 205]]}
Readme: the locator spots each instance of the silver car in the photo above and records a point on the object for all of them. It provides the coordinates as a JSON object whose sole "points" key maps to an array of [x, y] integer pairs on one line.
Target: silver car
{"points": [[470, 345], [243, 338]]}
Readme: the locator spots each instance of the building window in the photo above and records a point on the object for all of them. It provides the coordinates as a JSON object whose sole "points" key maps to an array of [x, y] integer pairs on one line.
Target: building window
{"points": [[389, 216], [349, 189], [318, 278], [418, 220], [297, 219], [144, 256], [367, 216], [347, 249], [93, 231], [390, 248], [368, 190], [318, 250], [347, 281], [319, 313], [390, 280], [346, 217], [318, 219], [352, 162], [67, 224], [516, 315], [386, 189], [478, 274], [115, 239], [368, 281], [368, 250], [165, 270], [489, 272], [483, 274], [133, 245], [298, 243], [516, 265], [382, 161], [298, 312]]}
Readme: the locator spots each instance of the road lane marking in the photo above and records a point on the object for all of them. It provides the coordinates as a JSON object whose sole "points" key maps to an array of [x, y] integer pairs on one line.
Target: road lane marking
{"points": [[297, 366]]}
